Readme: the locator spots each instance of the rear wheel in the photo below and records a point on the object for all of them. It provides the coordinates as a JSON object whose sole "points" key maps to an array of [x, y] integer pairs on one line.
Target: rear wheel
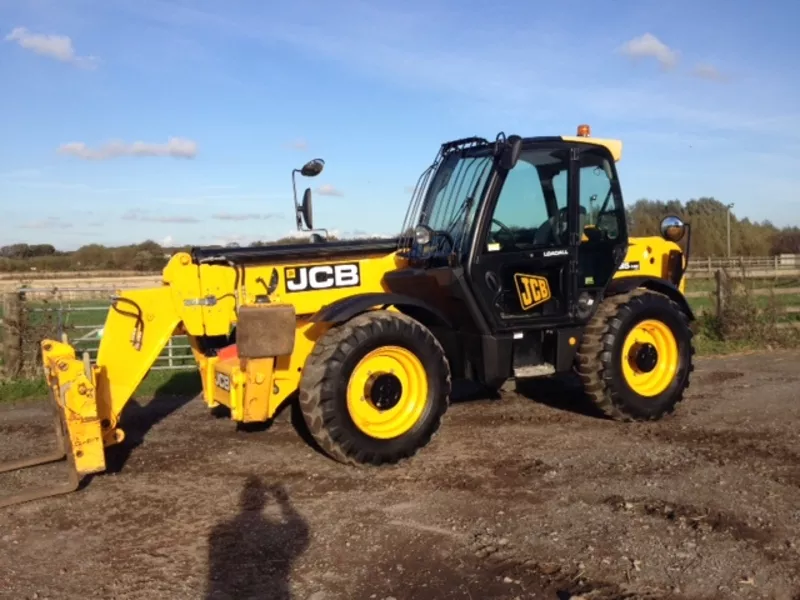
{"points": [[635, 358], [375, 389]]}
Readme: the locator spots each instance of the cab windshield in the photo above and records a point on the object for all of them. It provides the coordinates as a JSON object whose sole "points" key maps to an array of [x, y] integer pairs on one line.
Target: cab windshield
{"points": [[454, 195], [531, 209]]}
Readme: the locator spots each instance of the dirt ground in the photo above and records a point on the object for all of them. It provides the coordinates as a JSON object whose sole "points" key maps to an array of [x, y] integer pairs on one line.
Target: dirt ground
{"points": [[527, 496]]}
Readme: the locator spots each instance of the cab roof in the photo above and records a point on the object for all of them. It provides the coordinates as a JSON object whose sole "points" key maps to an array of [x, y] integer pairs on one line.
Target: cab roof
{"points": [[613, 146]]}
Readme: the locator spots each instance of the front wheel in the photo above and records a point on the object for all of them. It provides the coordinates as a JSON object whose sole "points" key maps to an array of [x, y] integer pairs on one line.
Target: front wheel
{"points": [[375, 389], [636, 356]]}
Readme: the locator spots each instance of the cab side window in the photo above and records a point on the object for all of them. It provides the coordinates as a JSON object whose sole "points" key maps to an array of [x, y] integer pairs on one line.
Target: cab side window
{"points": [[600, 214], [531, 208]]}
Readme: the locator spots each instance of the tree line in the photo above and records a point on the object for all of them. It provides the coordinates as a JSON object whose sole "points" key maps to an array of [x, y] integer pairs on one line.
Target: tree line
{"points": [[708, 218]]}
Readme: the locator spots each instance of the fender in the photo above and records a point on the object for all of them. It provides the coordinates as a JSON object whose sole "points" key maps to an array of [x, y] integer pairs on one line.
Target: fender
{"points": [[626, 284], [347, 308]]}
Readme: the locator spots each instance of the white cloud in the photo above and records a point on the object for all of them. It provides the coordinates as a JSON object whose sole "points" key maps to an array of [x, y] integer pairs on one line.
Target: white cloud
{"points": [[245, 216], [203, 198], [298, 144], [649, 46], [329, 190], [357, 234], [354, 234], [34, 183], [24, 174], [58, 47], [168, 241], [140, 215], [709, 72], [224, 240], [47, 223], [296, 235], [222, 186], [174, 147], [401, 45]]}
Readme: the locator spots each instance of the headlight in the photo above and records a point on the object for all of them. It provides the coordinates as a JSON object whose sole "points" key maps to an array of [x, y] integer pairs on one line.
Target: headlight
{"points": [[422, 235], [673, 229]]}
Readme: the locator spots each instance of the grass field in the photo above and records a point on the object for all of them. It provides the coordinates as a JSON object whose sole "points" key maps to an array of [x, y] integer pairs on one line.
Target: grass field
{"points": [[166, 382], [708, 286], [81, 320]]}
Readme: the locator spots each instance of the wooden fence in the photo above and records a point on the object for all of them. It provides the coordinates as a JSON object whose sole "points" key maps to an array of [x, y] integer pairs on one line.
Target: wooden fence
{"points": [[30, 315], [80, 284], [786, 299], [80, 287], [11, 344], [750, 267]]}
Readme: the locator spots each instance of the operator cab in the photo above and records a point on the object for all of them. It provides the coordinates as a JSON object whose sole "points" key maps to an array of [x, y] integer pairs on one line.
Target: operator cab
{"points": [[514, 236]]}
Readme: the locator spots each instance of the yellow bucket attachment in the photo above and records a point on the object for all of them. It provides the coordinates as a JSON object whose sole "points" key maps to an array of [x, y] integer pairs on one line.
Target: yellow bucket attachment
{"points": [[77, 427]]}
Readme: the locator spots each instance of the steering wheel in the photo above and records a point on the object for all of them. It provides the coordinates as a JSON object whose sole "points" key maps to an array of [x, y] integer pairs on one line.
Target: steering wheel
{"points": [[562, 222], [446, 235], [504, 227]]}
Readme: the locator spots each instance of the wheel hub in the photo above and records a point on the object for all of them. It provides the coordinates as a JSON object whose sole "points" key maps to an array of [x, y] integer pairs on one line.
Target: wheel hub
{"points": [[388, 392], [646, 357], [650, 358], [384, 390]]}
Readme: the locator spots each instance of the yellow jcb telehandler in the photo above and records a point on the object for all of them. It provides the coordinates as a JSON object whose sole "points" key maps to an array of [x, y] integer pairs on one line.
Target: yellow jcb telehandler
{"points": [[514, 260]]}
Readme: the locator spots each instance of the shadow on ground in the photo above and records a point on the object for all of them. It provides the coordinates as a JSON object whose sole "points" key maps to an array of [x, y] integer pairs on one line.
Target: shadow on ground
{"points": [[251, 555], [137, 419], [561, 392]]}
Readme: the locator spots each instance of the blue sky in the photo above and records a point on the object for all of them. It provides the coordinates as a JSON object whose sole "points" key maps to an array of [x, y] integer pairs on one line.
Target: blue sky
{"points": [[180, 121]]}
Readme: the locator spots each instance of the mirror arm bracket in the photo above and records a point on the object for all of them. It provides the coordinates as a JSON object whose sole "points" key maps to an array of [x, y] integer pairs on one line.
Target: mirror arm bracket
{"points": [[311, 169]]}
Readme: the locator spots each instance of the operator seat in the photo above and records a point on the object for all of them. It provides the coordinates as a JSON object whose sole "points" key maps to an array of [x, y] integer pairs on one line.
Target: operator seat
{"points": [[550, 232]]}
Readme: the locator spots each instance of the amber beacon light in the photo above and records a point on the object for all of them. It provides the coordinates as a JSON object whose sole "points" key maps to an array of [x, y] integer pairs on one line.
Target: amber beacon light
{"points": [[584, 130]]}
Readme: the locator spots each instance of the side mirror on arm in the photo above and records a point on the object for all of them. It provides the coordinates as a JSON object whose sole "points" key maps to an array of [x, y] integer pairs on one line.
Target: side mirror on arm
{"points": [[306, 209], [510, 153], [303, 212], [312, 168]]}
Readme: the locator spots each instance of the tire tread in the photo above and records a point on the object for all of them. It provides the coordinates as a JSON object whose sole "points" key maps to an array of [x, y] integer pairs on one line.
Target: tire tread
{"points": [[318, 385], [595, 355]]}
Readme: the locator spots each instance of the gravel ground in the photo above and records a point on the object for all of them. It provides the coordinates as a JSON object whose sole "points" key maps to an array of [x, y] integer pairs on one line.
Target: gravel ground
{"points": [[528, 496]]}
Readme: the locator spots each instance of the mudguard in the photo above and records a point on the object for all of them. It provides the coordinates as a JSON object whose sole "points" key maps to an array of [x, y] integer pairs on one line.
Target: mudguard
{"points": [[626, 284], [347, 308]]}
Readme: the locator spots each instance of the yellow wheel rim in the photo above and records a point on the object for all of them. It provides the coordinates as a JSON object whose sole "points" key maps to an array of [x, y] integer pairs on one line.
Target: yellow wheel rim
{"points": [[387, 392], [650, 358]]}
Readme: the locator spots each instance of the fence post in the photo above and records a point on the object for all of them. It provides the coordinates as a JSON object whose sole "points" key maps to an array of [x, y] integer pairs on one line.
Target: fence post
{"points": [[12, 335], [720, 291], [169, 350]]}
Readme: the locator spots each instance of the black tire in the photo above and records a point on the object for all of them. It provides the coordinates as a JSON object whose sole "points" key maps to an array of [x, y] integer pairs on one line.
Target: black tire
{"points": [[599, 360], [323, 387]]}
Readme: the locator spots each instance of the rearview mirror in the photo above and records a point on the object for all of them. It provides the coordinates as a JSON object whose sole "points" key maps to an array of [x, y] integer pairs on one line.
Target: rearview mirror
{"points": [[673, 228], [307, 210], [510, 153], [312, 168]]}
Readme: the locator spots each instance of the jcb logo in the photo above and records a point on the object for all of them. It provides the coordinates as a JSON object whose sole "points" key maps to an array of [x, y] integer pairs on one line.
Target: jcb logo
{"points": [[223, 381], [322, 277], [532, 290]]}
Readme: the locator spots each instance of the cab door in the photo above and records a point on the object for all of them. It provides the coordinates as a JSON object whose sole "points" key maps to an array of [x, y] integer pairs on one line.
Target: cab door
{"points": [[523, 269], [604, 235]]}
